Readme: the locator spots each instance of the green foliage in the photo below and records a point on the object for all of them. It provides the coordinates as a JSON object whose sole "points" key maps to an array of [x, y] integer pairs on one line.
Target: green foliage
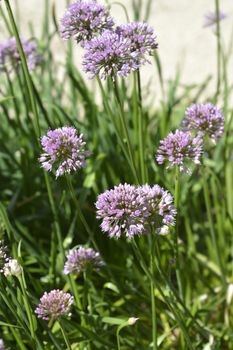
{"points": [[41, 218]]}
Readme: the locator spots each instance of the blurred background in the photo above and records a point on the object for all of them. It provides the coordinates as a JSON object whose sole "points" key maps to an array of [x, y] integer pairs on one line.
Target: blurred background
{"points": [[184, 44]]}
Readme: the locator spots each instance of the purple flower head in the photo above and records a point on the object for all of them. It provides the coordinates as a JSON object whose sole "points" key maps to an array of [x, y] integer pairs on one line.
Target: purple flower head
{"points": [[108, 55], [142, 40], [179, 147], [80, 259], [159, 203], [131, 210], [205, 118], [54, 304], [210, 19], [64, 150], [9, 54], [84, 20]]}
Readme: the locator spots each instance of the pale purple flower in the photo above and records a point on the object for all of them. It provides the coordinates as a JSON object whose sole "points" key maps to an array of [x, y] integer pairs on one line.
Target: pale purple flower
{"points": [[142, 40], [84, 20], [210, 19], [78, 260], [178, 148], [109, 55], [54, 304], [132, 210], [63, 150], [205, 118], [9, 54], [159, 204]]}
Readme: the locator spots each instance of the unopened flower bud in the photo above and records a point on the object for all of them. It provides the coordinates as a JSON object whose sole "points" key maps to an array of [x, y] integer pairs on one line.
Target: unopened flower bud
{"points": [[132, 321], [12, 268]]}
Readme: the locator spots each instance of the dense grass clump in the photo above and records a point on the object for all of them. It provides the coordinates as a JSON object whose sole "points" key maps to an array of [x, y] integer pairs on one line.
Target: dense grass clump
{"points": [[116, 216]]}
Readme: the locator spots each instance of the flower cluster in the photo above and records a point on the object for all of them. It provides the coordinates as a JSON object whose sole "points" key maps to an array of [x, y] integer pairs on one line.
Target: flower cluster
{"points": [[179, 147], [132, 210], [9, 54], [142, 40], [109, 51], [205, 118], [211, 19], [80, 259], [119, 52], [54, 304], [63, 150], [108, 55], [84, 20]]}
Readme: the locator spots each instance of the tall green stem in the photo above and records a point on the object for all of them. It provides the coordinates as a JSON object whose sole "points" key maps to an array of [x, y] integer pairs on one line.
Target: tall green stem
{"points": [[55, 215], [176, 236], [25, 69], [65, 336], [80, 214], [125, 129], [27, 306], [30, 90], [140, 130], [174, 310], [153, 307], [211, 224], [119, 136]]}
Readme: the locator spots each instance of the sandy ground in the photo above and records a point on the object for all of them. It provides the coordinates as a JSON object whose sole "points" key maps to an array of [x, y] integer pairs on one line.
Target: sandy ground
{"points": [[178, 24]]}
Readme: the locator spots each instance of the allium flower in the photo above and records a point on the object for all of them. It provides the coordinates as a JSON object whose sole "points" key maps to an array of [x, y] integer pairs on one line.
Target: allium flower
{"points": [[54, 304], [79, 259], [9, 54], [179, 147], [211, 19], [84, 20], [205, 118], [108, 55], [142, 40], [132, 210], [12, 268], [160, 208], [63, 150]]}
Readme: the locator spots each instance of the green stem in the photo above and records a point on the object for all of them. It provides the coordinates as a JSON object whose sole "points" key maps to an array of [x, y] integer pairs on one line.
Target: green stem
{"points": [[153, 308], [176, 236], [118, 339], [125, 129], [30, 90], [16, 107], [113, 119], [211, 224], [140, 130], [55, 215], [173, 309], [27, 306], [65, 336], [25, 69], [80, 214], [78, 302]]}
